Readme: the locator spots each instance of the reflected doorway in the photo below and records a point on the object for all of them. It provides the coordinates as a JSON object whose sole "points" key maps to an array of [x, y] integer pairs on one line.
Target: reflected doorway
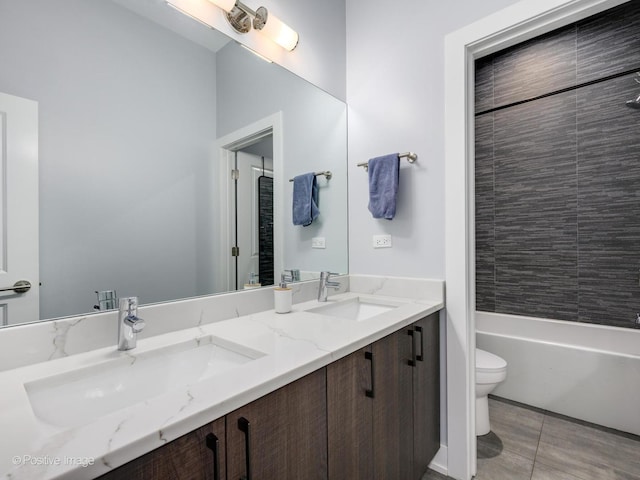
{"points": [[252, 230]]}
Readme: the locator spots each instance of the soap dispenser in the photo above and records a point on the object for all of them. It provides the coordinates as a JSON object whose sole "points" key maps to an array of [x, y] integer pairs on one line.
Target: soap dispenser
{"points": [[283, 296]]}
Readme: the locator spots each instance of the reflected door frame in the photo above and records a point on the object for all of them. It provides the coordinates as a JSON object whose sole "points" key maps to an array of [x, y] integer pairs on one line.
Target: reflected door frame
{"points": [[226, 148], [247, 217]]}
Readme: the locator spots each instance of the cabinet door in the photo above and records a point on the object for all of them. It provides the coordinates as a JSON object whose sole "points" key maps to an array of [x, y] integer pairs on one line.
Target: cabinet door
{"points": [[282, 435], [393, 407], [349, 414], [194, 456], [426, 396]]}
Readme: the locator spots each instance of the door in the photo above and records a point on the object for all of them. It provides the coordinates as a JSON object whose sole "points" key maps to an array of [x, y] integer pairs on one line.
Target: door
{"points": [[350, 397], [18, 208], [251, 168], [393, 407], [426, 393]]}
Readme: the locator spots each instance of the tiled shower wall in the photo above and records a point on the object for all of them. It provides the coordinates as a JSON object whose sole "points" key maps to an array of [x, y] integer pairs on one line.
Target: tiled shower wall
{"points": [[558, 177]]}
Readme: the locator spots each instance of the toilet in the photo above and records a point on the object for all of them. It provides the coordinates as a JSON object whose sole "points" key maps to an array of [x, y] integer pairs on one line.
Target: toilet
{"points": [[490, 371]]}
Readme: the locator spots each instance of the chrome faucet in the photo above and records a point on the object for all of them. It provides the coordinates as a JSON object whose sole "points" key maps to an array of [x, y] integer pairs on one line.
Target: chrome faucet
{"points": [[325, 284], [129, 324], [292, 275]]}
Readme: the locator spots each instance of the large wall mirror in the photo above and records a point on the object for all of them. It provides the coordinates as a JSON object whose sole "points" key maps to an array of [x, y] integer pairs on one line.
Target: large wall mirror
{"points": [[142, 115]]}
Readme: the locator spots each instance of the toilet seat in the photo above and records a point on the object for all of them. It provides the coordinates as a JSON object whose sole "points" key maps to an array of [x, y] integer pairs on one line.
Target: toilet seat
{"points": [[490, 368]]}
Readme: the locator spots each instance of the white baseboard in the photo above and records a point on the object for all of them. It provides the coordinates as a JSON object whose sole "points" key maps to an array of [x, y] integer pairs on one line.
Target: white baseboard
{"points": [[440, 461]]}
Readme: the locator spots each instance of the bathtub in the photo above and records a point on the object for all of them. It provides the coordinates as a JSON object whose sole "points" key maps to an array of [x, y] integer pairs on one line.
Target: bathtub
{"points": [[589, 372]]}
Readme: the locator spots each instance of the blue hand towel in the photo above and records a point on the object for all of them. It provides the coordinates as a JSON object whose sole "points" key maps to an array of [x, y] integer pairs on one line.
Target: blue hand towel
{"points": [[305, 199], [384, 173]]}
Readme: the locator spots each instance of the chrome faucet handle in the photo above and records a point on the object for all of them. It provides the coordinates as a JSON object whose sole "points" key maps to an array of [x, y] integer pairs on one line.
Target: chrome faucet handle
{"points": [[284, 277], [326, 277], [129, 324], [136, 323], [328, 274], [291, 275], [324, 284]]}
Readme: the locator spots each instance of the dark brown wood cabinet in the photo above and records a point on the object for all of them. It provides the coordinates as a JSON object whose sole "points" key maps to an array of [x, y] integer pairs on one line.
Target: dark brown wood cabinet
{"points": [[383, 403], [281, 435], [350, 384], [198, 455], [393, 407], [426, 394], [374, 414]]}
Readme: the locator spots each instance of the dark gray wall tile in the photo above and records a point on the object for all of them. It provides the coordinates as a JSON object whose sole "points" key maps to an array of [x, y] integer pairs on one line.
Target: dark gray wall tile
{"points": [[535, 208], [608, 203], [609, 43], [484, 84], [536, 67], [561, 185], [485, 217]]}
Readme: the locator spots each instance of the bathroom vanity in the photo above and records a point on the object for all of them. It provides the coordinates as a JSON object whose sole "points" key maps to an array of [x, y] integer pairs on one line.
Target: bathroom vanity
{"points": [[343, 389], [372, 414]]}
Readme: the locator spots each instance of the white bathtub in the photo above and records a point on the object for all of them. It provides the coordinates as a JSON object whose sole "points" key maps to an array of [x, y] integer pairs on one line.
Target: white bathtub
{"points": [[590, 372]]}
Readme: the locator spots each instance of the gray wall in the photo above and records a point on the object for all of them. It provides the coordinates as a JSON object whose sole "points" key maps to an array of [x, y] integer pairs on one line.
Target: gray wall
{"points": [[557, 198], [314, 131], [395, 92], [127, 122]]}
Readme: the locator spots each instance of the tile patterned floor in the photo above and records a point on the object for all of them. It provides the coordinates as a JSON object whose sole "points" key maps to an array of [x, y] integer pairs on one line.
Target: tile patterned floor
{"points": [[530, 444]]}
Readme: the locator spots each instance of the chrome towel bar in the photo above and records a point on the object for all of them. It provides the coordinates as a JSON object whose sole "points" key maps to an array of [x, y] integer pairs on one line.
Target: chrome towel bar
{"points": [[326, 173], [410, 156]]}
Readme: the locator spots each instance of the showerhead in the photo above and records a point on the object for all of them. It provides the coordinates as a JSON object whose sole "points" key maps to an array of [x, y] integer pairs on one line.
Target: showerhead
{"points": [[635, 104]]}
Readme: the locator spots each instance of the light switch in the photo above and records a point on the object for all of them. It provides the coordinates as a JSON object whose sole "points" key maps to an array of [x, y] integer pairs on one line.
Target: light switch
{"points": [[318, 242]]}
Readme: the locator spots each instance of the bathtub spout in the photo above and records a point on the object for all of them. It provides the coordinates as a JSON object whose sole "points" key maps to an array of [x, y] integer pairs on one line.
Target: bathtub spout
{"points": [[637, 319]]}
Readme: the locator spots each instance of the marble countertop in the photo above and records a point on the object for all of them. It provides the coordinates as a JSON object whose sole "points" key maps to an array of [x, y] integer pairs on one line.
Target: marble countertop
{"points": [[286, 347]]}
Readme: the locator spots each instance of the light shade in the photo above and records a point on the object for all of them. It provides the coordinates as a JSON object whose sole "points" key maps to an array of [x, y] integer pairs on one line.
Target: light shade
{"points": [[226, 5], [277, 30]]}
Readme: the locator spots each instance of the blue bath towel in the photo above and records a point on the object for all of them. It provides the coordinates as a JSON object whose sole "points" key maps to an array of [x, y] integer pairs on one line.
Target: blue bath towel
{"points": [[305, 199], [384, 173]]}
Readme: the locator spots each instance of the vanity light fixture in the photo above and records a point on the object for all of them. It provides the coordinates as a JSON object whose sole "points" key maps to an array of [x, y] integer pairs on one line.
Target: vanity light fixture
{"points": [[242, 18]]}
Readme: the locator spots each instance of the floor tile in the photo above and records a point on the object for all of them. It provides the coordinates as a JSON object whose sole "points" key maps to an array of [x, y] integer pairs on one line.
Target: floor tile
{"points": [[543, 472], [587, 452], [506, 466], [489, 445], [433, 475], [517, 427]]}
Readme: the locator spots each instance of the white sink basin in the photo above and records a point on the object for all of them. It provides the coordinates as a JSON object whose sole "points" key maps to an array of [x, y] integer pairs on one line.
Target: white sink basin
{"points": [[354, 308], [77, 397]]}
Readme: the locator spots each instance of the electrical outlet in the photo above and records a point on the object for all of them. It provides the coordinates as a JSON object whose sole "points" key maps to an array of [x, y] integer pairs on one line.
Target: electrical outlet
{"points": [[318, 242], [382, 241]]}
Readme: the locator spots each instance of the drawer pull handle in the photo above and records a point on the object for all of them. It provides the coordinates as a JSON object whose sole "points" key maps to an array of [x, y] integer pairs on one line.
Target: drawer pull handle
{"points": [[245, 427], [370, 393], [214, 445], [412, 362], [420, 357]]}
